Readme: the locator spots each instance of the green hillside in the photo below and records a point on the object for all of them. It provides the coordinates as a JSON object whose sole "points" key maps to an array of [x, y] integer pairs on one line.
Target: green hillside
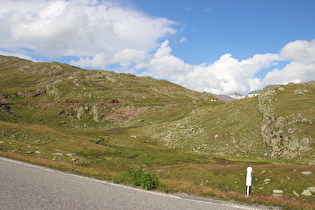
{"points": [[278, 124], [102, 124]]}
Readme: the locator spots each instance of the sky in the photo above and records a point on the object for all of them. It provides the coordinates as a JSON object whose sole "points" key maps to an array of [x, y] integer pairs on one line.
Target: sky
{"points": [[217, 46]]}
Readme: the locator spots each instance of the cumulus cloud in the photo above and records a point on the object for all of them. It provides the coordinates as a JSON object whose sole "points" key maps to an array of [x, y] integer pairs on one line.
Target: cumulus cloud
{"points": [[293, 72], [299, 51], [165, 65], [301, 68], [228, 75], [128, 57], [83, 28], [99, 60]]}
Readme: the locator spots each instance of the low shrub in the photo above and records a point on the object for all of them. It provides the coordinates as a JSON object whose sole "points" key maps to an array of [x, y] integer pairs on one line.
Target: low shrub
{"points": [[146, 180]]}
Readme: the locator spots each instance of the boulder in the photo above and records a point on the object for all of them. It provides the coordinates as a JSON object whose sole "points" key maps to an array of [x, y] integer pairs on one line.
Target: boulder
{"points": [[306, 193], [311, 189], [306, 172], [277, 191]]}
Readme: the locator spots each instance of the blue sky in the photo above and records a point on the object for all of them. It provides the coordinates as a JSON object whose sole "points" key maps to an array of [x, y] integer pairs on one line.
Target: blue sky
{"points": [[239, 27], [219, 46]]}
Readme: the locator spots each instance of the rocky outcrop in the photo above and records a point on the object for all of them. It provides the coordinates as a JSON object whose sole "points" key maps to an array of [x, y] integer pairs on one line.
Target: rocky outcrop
{"points": [[282, 133], [53, 91], [7, 109], [31, 94], [123, 114], [98, 112]]}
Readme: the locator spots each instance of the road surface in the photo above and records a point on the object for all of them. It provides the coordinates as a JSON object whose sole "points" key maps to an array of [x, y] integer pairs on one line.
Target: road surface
{"points": [[26, 186]]}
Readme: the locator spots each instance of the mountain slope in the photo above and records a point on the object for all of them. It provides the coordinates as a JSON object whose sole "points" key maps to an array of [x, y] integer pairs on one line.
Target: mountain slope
{"points": [[278, 124], [85, 97], [58, 106], [223, 130]]}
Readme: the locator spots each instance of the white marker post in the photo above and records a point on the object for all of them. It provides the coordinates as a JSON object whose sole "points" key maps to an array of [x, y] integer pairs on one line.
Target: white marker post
{"points": [[248, 180]]}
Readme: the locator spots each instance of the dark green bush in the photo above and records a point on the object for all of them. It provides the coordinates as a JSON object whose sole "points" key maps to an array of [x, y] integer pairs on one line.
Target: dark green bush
{"points": [[146, 180], [149, 181]]}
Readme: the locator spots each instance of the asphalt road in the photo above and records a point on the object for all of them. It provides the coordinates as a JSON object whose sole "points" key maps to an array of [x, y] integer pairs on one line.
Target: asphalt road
{"points": [[26, 186]]}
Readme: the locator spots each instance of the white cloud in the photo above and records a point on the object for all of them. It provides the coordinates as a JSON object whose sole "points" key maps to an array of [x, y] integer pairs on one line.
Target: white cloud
{"points": [[293, 72], [128, 57], [166, 66], [78, 27], [299, 51], [125, 58], [183, 39], [301, 68], [99, 60], [228, 75]]}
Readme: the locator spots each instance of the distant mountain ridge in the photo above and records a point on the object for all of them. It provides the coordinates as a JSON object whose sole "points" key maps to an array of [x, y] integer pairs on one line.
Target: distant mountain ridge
{"points": [[232, 97]]}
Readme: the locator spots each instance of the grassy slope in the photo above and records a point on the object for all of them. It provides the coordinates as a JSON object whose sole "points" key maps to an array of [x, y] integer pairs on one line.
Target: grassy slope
{"points": [[102, 123], [221, 130]]}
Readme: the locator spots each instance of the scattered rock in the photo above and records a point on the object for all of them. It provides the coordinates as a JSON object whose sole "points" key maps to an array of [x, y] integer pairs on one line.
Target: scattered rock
{"points": [[277, 191], [263, 172], [38, 152], [306, 172], [267, 181], [306, 193], [296, 194], [28, 152], [276, 195], [57, 153], [70, 154], [1, 142], [312, 189]]}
